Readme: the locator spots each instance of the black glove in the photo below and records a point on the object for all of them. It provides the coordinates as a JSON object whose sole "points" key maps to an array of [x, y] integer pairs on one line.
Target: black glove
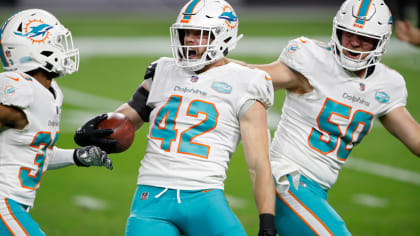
{"points": [[91, 156], [88, 134], [267, 226]]}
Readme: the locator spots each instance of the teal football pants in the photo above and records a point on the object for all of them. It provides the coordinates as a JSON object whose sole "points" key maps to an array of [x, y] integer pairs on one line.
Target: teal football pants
{"points": [[14, 220], [305, 211], [170, 212]]}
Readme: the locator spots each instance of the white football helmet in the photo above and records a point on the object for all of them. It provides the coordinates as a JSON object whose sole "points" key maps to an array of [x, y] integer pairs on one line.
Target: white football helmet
{"points": [[213, 17], [369, 18], [33, 39]]}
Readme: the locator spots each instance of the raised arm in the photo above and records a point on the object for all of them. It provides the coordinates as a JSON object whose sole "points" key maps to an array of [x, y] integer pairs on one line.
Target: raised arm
{"points": [[402, 125], [408, 33], [254, 132], [282, 76]]}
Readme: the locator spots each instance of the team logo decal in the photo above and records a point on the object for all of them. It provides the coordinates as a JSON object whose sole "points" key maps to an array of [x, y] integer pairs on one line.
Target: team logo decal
{"points": [[36, 30], [9, 90], [222, 87], [382, 97], [229, 16], [292, 48]]}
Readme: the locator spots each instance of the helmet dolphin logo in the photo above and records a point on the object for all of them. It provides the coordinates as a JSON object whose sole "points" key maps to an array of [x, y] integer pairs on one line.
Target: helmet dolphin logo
{"points": [[229, 16], [41, 29]]}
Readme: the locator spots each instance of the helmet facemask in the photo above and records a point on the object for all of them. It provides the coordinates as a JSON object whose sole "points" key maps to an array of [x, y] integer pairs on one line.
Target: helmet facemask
{"points": [[212, 53], [366, 58]]}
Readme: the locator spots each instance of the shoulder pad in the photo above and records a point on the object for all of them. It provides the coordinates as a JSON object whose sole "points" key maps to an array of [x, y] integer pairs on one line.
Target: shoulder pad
{"points": [[15, 90], [150, 71]]}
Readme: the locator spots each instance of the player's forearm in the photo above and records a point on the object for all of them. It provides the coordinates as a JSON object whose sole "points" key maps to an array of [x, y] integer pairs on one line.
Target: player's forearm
{"points": [[60, 158], [263, 188]]}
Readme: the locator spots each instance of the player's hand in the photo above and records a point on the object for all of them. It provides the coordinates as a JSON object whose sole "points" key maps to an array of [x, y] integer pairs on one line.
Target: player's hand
{"points": [[91, 156], [267, 226], [88, 134]]}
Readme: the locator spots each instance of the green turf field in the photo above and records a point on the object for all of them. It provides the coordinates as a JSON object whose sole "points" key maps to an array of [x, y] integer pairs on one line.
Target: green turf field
{"points": [[370, 204]]}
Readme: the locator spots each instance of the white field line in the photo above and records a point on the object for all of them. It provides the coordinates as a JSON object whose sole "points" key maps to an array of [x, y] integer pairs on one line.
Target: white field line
{"points": [[370, 200], [383, 170], [161, 46], [93, 105], [90, 203]]}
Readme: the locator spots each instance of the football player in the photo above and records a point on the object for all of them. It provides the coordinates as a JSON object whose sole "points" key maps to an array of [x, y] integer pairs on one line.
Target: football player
{"points": [[334, 93], [34, 49], [198, 108]]}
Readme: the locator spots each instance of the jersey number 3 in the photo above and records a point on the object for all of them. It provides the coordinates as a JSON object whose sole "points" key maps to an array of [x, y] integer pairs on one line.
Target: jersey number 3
{"points": [[328, 135], [41, 141], [164, 126]]}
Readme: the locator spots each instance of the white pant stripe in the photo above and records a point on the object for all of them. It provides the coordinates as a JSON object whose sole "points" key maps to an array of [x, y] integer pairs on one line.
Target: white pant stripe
{"points": [[305, 214], [9, 219]]}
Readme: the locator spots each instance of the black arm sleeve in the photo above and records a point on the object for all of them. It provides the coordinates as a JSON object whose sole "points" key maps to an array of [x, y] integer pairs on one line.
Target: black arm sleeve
{"points": [[139, 99], [138, 103], [150, 71]]}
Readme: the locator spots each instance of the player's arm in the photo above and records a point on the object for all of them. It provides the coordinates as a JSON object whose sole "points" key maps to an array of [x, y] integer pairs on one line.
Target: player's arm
{"points": [[12, 117], [87, 156], [83, 156], [254, 135], [282, 76], [402, 125], [136, 110], [131, 114]]}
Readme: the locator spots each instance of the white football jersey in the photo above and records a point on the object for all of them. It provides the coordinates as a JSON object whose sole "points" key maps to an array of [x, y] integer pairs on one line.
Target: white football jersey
{"points": [[318, 130], [194, 124], [24, 153]]}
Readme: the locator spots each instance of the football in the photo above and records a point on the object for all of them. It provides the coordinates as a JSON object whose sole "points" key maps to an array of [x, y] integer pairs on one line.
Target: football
{"points": [[123, 130]]}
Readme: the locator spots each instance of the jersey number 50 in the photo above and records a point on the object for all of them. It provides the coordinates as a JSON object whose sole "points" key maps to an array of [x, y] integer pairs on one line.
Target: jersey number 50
{"points": [[164, 126], [328, 136]]}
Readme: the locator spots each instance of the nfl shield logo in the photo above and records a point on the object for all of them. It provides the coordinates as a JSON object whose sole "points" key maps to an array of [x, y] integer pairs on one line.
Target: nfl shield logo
{"points": [[8, 53], [144, 195], [194, 78], [362, 87]]}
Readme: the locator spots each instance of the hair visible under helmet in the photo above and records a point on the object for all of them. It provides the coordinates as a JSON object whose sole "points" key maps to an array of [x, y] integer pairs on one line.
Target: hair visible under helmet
{"points": [[368, 18]]}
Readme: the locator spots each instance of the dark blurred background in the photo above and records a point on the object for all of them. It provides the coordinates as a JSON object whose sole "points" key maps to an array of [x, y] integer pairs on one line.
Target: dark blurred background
{"points": [[401, 9], [98, 5]]}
